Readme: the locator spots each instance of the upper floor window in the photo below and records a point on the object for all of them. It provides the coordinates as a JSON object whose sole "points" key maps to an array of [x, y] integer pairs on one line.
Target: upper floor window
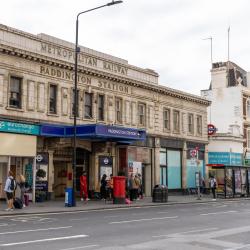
{"points": [[248, 138], [166, 119], [176, 121], [88, 106], [118, 109], [101, 107], [142, 114], [248, 108], [73, 102], [15, 92], [190, 123], [52, 98], [199, 124]]}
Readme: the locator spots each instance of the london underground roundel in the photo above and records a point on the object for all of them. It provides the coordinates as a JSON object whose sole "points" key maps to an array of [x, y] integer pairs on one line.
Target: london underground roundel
{"points": [[211, 129]]}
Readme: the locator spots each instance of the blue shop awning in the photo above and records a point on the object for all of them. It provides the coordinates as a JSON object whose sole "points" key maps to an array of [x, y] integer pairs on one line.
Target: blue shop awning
{"points": [[95, 132]]}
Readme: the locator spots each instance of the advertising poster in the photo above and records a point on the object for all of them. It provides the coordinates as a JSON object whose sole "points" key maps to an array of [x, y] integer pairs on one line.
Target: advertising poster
{"points": [[243, 181], [229, 182], [134, 167], [105, 166], [237, 181]]}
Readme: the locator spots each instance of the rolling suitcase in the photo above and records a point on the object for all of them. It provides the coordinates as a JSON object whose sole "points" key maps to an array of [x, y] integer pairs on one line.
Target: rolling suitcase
{"points": [[18, 203]]}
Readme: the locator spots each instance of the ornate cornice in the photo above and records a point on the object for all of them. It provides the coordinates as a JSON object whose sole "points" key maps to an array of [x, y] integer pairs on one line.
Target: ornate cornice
{"points": [[38, 58]]}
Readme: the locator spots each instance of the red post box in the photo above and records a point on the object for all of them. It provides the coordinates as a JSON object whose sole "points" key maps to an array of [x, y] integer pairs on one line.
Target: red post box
{"points": [[119, 191]]}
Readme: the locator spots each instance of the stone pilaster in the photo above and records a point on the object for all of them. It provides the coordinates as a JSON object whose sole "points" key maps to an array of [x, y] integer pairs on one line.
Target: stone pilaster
{"points": [[184, 166]]}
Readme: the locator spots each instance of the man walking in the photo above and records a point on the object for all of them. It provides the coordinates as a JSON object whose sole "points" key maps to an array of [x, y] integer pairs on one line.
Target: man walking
{"points": [[9, 190], [84, 187], [213, 185]]}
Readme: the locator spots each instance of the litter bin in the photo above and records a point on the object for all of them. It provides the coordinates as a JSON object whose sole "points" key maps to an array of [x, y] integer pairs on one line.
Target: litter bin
{"points": [[119, 191], [68, 197], [160, 194]]}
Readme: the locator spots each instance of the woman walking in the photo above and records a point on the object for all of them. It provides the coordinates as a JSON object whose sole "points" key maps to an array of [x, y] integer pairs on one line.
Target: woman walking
{"points": [[104, 187]]}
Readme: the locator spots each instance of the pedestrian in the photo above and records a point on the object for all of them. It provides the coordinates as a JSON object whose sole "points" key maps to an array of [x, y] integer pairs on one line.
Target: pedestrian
{"points": [[130, 187], [21, 185], [110, 186], [136, 185], [203, 185], [84, 187], [213, 186], [9, 190], [104, 187], [140, 190]]}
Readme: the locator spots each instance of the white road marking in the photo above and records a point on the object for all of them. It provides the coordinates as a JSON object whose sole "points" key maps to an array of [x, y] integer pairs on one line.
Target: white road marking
{"points": [[42, 240], [226, 212], [33, 219], [186, 232], [162, 212], [240, 247], [110, 216], [74, 248], [81, 219], [35, 230], [128, 221]]}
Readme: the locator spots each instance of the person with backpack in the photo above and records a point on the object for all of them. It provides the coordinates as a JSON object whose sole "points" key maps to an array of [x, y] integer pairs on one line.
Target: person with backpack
{"points": [[9, 190]]}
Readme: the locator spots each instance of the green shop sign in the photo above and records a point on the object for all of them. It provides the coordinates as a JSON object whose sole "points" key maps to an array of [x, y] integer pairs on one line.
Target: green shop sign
{"points": [[20, 128]]}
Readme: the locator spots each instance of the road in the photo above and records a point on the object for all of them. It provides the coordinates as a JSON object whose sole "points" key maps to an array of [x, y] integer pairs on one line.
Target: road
{"points": [[217, 225]]}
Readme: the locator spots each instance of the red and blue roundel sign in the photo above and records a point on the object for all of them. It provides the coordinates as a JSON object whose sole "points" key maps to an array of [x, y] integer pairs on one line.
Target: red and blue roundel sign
{"points": [[211, 129]]}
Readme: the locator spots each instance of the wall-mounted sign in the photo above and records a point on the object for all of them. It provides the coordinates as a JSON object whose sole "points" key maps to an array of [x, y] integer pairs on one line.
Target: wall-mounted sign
{"points": [[20, 128], [225, 158], [211, 129]]}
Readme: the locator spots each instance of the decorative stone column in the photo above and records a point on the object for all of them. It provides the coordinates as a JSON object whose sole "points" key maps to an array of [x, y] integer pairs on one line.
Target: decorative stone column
{"points": [[51, 176], [184, 166], [156, 160]]}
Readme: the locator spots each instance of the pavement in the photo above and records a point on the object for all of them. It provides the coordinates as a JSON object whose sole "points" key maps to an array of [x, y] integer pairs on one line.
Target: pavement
{"points": [[59, 205]]}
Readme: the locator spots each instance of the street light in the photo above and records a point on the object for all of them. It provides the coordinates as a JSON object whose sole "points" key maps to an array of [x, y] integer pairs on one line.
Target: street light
{"points": [[77, 50]]}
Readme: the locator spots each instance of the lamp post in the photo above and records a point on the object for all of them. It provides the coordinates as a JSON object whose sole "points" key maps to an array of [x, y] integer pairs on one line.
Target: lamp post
{"points": [[77, 50]]}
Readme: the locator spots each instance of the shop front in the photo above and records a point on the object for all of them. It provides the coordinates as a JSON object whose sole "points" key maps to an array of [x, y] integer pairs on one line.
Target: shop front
{"points": [[96, 153], [232, 177], [233, 180], [195, 163], [18, 152], [171, 163]]}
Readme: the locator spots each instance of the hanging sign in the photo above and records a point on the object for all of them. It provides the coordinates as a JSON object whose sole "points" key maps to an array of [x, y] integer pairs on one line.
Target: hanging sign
{"points": [[211, 129]]}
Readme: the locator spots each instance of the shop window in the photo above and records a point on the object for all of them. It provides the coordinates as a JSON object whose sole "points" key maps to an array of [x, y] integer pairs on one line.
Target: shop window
{"points": [[88, 106], [190, 123], [101, 107], [73, 102], [15, 92], [248, 138], [176, 121], [199, 124], [142, 114], [118, 109], [166, 119], [52, 98]]}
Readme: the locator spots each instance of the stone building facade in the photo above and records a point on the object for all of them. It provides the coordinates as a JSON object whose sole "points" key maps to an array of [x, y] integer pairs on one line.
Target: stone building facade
{"points": [[126, 121]]}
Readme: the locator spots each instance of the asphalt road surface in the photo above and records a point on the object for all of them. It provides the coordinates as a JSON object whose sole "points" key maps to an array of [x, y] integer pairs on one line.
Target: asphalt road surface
{"points": [[218, 225]]}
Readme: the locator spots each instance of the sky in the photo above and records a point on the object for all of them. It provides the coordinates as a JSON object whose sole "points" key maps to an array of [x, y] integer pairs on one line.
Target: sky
{"points": [[164, 35]]}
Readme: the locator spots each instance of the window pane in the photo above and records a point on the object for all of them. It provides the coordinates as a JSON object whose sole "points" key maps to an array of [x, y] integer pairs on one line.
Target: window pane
{"points": [[101, 107], [163, 158], [52, 98], [88, 106], [176, 121], [15, 92]]}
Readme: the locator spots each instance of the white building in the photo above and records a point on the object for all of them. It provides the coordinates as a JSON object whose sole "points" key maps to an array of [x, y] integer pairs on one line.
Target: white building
{"points": [[229, 113]]}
